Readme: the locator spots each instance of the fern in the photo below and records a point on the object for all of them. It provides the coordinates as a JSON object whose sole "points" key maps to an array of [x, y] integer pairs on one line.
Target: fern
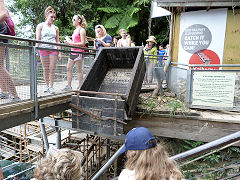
{"points": [[131, 10], [109, 9], [113, 21]]}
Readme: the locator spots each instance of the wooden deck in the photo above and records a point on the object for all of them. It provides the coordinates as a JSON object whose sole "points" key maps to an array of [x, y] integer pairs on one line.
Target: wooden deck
{"points": [[13, 114], [199, 126]]}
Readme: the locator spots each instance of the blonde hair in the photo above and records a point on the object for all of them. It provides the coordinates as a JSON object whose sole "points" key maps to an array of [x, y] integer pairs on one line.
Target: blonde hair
{"points": [[121, 30], [152, 164], [49, 9], [65, 164], [103, 29], [83, 22]]}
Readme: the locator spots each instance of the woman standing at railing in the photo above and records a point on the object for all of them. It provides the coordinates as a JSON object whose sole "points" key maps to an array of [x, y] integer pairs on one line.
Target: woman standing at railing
{"points": [[6, 81], [78, 39], [150, 49], [47, 31], [125, 41], [102, 38]]}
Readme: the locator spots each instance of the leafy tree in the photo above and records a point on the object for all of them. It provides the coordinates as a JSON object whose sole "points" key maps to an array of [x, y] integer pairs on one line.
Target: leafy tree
{"points": [[121, 14], [132, 15]]}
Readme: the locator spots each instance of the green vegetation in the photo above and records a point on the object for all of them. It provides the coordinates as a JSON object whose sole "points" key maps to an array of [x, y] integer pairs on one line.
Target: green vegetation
{"points": [[113, 14], [225, 161], [215, 165], [168, 102]]}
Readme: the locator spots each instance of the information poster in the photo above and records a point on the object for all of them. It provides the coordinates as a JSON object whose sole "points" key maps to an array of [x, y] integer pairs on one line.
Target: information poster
{"points": [[215, 89], [202, 36]]}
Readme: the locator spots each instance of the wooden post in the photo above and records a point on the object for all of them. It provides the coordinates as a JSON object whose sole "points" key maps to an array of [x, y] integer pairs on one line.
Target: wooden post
{"points": [[171, 42]]}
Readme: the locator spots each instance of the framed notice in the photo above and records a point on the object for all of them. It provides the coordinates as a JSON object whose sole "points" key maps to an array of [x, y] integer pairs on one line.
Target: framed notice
{"points": [[215, 89]]}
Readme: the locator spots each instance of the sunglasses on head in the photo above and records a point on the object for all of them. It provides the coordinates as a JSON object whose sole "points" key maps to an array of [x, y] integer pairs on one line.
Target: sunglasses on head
{"points": [[79, 17], [51, 11]]}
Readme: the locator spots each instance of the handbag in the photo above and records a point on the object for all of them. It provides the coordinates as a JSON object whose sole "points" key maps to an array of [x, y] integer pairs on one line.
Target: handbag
{"points": [[10, 25]]}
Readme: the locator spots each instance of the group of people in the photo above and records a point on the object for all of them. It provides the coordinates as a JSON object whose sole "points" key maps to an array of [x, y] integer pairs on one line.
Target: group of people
{"points": [[145, 160], [155, 57], [48, 32]]}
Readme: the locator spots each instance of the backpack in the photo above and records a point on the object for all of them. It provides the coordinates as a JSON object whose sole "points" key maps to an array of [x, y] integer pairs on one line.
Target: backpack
{"points": [[10, 25]]}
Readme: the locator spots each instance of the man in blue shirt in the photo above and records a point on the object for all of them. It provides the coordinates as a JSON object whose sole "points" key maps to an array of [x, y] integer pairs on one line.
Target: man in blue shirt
{"points": [[161, 52]]}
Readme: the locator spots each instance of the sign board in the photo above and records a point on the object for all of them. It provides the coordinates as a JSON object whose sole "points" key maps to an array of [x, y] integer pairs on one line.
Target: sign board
{"points": [[202, 36], [215, 89]]}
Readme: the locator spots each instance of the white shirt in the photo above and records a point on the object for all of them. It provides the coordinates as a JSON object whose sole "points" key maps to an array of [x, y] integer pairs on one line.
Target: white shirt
{"points": [[123, 42], [48, 34], [127, 174]]}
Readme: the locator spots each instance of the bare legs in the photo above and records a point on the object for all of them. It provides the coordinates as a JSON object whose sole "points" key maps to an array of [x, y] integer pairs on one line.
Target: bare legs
{"points": [[6, 81], [79, 66], [49, 66]]}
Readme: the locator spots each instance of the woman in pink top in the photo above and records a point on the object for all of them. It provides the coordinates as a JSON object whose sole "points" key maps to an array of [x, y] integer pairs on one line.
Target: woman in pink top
{"points": [[78, 39]]}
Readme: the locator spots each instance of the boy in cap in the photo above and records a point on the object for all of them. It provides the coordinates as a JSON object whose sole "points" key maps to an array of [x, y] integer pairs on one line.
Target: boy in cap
{"points": [[147, 160]]}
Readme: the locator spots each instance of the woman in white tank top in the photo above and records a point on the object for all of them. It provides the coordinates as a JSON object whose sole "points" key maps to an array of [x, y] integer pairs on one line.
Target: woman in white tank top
{"points": [[47, 31], [125, 41]]}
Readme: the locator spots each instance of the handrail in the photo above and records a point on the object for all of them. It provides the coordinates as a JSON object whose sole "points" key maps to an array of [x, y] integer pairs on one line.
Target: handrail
{"points": [[207, 147], [209, 65], [43, 42], [185, 155]]}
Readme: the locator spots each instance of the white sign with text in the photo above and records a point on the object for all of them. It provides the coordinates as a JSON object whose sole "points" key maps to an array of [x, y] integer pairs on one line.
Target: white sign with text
{"points": [[215, 89]]}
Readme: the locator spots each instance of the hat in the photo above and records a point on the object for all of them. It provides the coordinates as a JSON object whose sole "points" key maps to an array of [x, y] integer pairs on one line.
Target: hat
{"points": [[152, 39], [138, 139]]}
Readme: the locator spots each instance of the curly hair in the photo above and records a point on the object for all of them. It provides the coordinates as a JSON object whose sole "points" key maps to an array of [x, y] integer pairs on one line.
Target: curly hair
{"points": [[152, 164], [65, 164]]}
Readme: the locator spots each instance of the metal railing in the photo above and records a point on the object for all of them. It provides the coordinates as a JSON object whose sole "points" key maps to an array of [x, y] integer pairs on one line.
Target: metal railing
{"points": [[216, 145], [26, 69]]}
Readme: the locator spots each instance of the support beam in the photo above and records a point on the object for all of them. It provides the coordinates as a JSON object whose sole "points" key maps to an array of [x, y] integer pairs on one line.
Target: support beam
{"points": [[185, 127]]}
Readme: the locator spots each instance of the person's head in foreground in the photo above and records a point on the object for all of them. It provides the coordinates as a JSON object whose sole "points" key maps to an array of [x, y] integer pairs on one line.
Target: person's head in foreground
{"points": [[64, 164], [147, 160]]}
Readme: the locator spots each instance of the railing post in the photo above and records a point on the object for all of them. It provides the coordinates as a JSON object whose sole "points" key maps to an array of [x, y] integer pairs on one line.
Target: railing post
{"points": [[33, 78], [44, 134], [58, 137], [189, 87], [7, 58]]}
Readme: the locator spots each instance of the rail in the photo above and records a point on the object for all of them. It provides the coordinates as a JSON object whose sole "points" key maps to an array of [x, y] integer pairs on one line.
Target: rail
{"points": [[222, 143], [26, 70]]}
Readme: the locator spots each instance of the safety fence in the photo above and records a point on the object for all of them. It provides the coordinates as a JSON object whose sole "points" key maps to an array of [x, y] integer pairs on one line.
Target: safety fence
{"points": [[184, 158], [22, 73]]}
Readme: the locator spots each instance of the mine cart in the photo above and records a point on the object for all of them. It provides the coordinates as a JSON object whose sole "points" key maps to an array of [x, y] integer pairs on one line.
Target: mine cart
{"points": [[109, 93]]}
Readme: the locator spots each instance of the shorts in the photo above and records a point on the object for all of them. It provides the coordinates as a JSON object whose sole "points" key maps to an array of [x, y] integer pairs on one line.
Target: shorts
{"points": [[76, 57], [46, 53]]}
